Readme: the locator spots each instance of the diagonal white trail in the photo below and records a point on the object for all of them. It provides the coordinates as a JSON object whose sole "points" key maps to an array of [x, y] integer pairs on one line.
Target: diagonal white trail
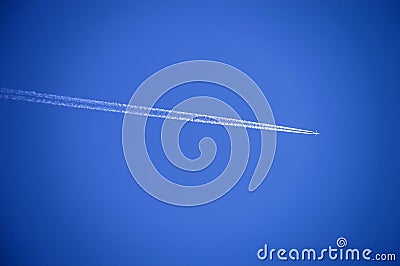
{"points": [[75, 102]]}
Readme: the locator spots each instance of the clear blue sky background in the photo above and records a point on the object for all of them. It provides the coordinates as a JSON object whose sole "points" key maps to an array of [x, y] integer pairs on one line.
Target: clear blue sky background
{"points": [[67, 196]]}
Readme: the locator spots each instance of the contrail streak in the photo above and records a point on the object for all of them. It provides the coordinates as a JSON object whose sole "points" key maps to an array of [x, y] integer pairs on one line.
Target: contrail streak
{"points": [[75, 102]]}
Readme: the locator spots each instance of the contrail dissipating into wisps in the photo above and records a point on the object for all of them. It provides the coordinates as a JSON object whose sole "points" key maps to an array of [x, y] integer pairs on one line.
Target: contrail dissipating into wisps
{"points": [[82, 103]]}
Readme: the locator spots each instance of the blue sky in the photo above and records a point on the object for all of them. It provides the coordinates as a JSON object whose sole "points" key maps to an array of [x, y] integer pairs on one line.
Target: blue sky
{"points": [[67, 196]]}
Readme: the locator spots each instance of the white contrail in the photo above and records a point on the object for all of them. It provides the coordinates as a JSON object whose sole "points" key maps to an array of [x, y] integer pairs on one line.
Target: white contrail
{"points": [[74, 102]]}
